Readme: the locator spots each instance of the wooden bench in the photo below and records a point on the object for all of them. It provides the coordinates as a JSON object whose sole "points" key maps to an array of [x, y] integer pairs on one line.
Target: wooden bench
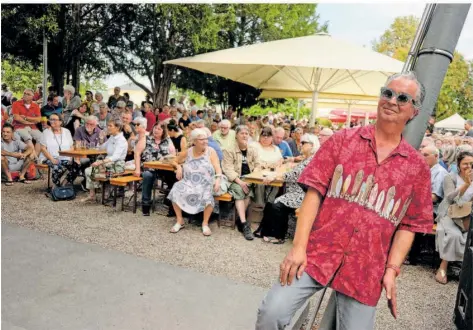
{"points": [[123, 182], [226, 198], [104, 181], [43, 167]]}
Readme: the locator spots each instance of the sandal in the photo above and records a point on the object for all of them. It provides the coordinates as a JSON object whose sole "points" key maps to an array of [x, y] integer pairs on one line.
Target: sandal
{"points": [[443, 276], [206, 231], [176, 228], [266, 239], [8, 183], [277, 241], [87, 199], [24, 181]]}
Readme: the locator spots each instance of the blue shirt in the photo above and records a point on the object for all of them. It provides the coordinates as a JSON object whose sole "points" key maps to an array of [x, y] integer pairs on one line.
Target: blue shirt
{"points": [[194, 118], [285, 149], [214, 144], [437, 176]]}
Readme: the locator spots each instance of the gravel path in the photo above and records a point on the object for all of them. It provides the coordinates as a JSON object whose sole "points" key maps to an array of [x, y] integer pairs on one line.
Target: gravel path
{"points": [[423, 304]]}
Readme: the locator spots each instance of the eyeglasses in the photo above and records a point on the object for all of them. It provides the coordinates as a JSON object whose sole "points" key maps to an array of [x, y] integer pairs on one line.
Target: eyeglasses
{"points": [[304, 142], [401, 98], [137, 124]]}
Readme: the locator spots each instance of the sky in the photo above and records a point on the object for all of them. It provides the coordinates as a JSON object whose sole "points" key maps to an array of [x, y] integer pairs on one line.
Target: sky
{"points": [[361, 24]]}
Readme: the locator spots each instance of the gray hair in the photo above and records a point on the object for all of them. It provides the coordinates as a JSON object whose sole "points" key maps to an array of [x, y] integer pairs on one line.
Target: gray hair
{"points": [[142, 121], [470, 122], [70, 88], [200, 123], [225, 121], [279, 129], [420, 94], [311, 138], [209, 133], [196, 133], [103, 104], [117, 122], [241, 128], [92, 117], [326, 132], [432, 149], [29, 90], [98, 93], [121, 104]]}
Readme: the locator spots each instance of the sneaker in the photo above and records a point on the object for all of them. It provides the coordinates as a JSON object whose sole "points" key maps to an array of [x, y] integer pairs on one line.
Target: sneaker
{"points": [[247, 232]]}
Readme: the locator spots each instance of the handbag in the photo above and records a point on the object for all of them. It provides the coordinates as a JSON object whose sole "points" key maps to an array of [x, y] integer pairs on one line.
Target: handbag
{"points": [[224, 185], [65, 193], [460, 214]]}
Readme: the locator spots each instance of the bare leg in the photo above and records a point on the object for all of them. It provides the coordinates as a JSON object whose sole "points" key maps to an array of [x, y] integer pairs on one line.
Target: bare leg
{"points": [[178, 212], [207, 213], [241, 205], [25, 167], [5, 168], [441, 275]]}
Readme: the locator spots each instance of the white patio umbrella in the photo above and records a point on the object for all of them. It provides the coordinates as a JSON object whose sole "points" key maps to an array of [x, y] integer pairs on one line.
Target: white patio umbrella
{"points": [[318, 65], [455, 122]]}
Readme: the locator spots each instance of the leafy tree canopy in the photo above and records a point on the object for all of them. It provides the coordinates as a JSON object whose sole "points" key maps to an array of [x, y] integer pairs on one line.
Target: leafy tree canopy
{"points": [[456, 94]]}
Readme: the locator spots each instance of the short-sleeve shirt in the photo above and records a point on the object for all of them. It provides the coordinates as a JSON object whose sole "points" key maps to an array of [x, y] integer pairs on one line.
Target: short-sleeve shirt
{"points": [[185, 122], [20, 108], [13, 146], [364, 203], [285, 149], [437, 175]]}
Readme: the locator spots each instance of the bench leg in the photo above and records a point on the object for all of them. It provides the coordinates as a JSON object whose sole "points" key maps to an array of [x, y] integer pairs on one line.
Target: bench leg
{"points": [[234, 217], [219, 213], [135, 191], [103, 193], [123, 199], [114, 196]]}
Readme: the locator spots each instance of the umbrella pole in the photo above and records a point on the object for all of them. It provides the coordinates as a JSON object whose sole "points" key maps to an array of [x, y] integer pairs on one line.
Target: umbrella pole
{"points": [[367, 118], [298, 108], [313, 115], [349, 115]]}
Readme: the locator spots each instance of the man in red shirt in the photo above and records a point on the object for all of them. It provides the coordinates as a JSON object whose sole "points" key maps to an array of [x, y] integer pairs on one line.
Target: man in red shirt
{"points": [[26, 114], [368, 193], [164, 114]]}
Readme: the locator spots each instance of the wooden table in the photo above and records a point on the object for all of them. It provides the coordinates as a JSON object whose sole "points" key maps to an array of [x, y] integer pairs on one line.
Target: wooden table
{"points": [[257, 177], [82, 153], [158, 165]]}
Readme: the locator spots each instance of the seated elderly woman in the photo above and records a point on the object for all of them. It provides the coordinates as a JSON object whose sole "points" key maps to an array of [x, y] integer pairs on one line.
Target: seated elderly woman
{"points": [[239, 161], [276, 215], [153, 147], [199, 177], [114, 162], [452, 227], [55, 139], [270, 157]]}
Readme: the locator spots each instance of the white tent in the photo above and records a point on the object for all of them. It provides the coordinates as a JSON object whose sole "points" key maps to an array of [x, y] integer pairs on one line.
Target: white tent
{"points": [[319, 67], [453, 122]]}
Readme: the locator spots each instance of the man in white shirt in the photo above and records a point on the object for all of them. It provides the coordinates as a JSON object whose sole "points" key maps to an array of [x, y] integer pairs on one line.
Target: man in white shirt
{"points": [[225, 136]]}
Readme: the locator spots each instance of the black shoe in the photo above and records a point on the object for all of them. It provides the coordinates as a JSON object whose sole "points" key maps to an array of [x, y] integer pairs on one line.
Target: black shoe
{"points": [[247, 232], [145, 209], [171, 213]]}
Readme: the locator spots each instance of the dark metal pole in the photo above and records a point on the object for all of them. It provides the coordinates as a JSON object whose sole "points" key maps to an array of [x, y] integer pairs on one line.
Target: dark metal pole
{"points": [[433, 60]]}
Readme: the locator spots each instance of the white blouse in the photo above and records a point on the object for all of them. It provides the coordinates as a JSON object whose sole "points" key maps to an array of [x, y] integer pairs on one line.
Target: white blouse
{"points": [[116, 146], [57, 142], [268, 156]]}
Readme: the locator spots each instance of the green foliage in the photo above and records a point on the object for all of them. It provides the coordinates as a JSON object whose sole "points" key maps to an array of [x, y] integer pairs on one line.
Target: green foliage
{"points": [[324, 122], [176, 92], [456, 94], [286, 106], [19, 75], [246, 24], [94, 85]]}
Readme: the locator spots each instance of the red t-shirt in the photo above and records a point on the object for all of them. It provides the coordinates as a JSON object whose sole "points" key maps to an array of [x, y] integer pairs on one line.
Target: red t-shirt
{"points": [[19, 108], [151, 118], [364, 204], [163, 116]]}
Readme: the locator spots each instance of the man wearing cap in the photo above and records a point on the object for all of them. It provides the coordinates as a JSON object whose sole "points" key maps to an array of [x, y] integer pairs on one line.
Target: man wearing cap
{"points": [[368, 193]]}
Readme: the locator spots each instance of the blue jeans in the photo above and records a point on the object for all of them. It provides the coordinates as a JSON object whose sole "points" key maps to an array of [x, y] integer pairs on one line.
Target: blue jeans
{"points": [[147, 187]]}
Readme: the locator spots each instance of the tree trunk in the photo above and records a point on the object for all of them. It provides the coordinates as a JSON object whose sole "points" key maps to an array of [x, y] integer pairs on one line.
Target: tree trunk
{"points": [[75, 59], [56, 63]]}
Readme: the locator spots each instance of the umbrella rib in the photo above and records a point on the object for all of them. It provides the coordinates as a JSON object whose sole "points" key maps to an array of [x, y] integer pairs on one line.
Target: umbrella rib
{"points": [[331, 77], [270, 77], [356, 82], [345, 79], [291, 75], [246, 73]]}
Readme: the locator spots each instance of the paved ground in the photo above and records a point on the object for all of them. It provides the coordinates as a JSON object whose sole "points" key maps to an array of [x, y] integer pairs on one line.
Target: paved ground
{"points": [[52, 283], [423, 304]]}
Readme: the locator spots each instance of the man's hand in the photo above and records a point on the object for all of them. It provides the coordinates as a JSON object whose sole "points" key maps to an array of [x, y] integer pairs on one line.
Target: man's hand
{"points": [[244, 186], [22, 156], [389, 284], [294, 263]]}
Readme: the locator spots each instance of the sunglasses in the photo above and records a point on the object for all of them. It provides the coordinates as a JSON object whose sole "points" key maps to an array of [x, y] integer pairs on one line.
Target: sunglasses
{"points": [[401, 98], [137, 124], [304, 142]]}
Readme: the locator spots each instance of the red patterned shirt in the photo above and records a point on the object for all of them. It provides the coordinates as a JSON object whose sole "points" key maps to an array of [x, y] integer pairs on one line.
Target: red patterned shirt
{"points": [[364, 203]]}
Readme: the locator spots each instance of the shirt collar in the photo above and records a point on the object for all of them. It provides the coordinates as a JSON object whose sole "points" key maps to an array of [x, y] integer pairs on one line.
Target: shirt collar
{"points": [[367, 133]]}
